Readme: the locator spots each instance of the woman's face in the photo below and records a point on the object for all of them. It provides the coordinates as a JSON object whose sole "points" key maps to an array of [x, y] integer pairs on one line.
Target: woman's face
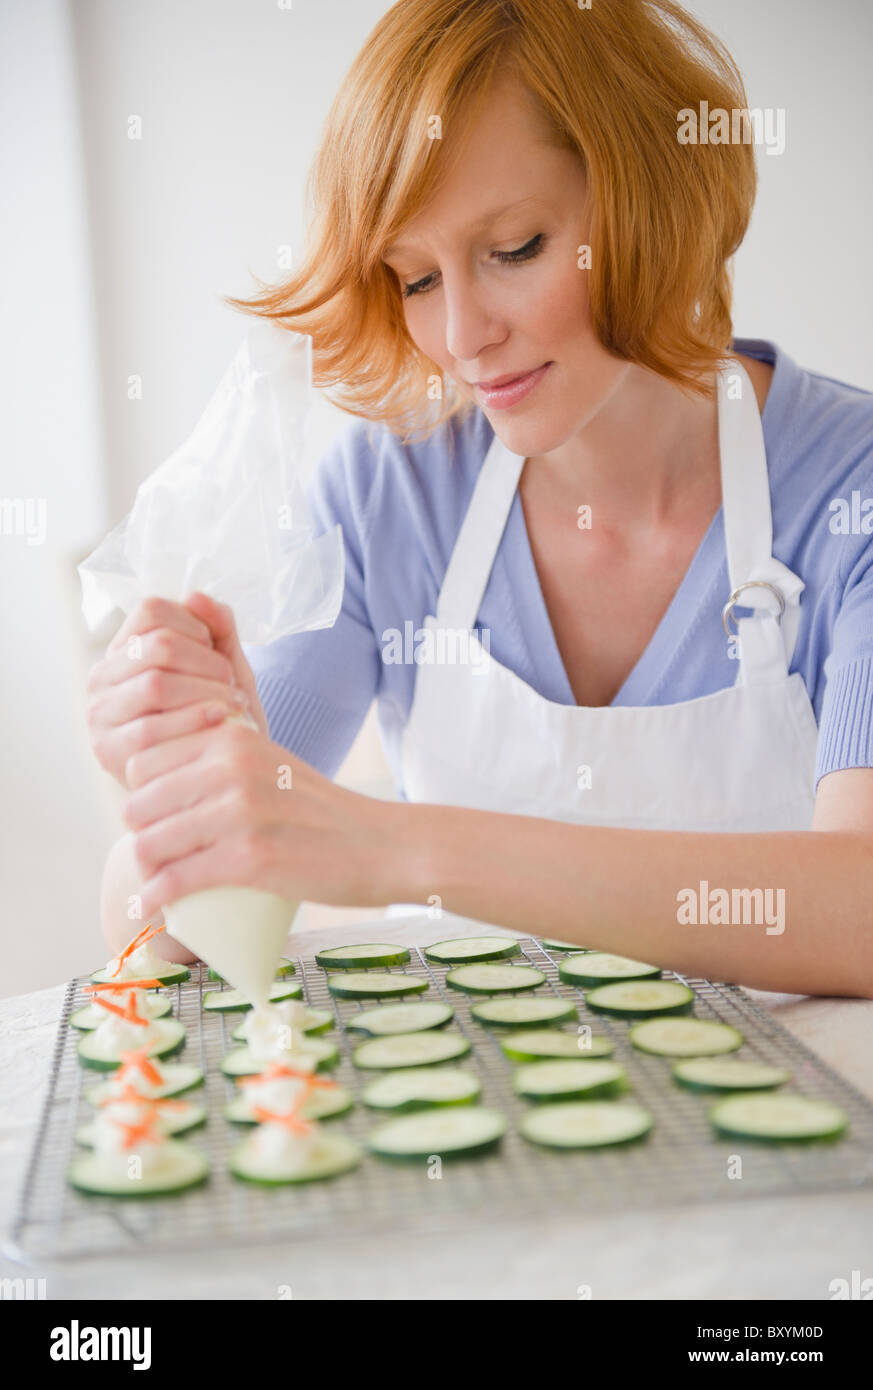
{"points": [[507, 296]]}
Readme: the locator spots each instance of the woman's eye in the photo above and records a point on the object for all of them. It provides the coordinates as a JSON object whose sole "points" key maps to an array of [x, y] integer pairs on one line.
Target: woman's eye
{"points": [[524, 253]]}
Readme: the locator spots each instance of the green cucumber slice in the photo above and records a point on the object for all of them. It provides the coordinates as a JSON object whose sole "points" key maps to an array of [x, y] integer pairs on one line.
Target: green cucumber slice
{"points": [[728, 1074], [91, 1016], [174, 1122], [685, 1037], [420, 1087], [410, 1050], [641, 999], [585, 1124], [314, 1021], [318, 1105], [494, 979], [170, 1035], [374, 985], [570, 1080], [402, 1018], [523, 1013], [461, 1130], [470, 948], [551, 943], [600, 968], [177, 1077], [532, 1044], [284, 968], [335, 1155], [778, 1117], [182, 1166], [240, 1061], [172, 975], [224, 1001], [364, 957]]}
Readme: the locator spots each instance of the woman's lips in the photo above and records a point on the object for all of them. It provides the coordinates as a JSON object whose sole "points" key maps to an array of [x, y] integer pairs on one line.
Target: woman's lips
{"points": [[514, 391]]}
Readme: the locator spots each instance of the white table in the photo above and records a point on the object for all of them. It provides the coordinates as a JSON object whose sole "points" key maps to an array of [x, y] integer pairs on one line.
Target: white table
{"points": [[786, 1247]]}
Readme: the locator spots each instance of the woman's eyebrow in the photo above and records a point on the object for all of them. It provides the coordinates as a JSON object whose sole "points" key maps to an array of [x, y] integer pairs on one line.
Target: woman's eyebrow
{"points": [[480, 223]]}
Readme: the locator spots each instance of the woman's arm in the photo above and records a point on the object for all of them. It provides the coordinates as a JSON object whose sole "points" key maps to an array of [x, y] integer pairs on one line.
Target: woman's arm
{"points": [[619, 889], [122, 883]]}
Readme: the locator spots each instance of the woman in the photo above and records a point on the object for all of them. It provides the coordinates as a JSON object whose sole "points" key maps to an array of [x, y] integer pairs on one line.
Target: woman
{"points": [[664, 695]]}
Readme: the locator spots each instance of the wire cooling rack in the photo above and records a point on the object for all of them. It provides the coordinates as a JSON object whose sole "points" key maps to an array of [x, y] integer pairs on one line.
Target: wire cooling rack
{"points": [[680, 1162]]}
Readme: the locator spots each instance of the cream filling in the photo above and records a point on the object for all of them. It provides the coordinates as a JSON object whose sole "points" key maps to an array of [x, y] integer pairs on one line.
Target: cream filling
{"points": [[276, 1146], [279, 1094], [275, 1031], [115, 1035], [141, 964]]}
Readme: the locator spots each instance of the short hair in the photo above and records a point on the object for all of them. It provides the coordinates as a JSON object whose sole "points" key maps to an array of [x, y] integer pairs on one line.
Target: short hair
{"points": [[610, 81]]}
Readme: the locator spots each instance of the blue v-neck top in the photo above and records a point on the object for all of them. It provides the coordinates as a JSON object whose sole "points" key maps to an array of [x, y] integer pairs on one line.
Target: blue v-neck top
{"points": [[400, 507]]}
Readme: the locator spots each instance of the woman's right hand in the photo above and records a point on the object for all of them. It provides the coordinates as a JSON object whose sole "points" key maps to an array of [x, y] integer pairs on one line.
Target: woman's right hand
{"points": [[160, 678]]}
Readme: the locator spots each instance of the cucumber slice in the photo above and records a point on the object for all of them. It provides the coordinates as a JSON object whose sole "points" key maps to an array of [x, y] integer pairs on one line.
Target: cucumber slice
{"points": [[177, 1077], [314, 1021], [335, 1155], [461, 1130], [224, 1001], [567, 1080], [532, 1044], [375, 985], [410, 1050], [778, 1117], [420, 1087], [494, 979], [523, 1013], [284, 968], [685, 1037], [470, 948], [240, 1061], [169, 1035], [402, 1018], [600, 968], [172, 975], [640, 999], [319, 1105], [585, 1124], [551, 943], [91, 1016], [381, 953], [172, 1122], [728, 1074], [182, 1166]]}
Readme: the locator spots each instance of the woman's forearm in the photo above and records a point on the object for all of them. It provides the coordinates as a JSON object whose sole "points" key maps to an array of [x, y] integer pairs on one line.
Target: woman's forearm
{"points": [[796, 907], [121, 883]]}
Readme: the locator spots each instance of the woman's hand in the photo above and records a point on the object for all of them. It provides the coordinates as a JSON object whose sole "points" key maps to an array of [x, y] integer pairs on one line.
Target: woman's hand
{"points": [[170, 670], [227, 806]]}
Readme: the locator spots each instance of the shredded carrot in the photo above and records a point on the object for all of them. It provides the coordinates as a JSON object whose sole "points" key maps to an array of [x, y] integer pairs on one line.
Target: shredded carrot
{"points": [[129, 1093], [137, 1059], [128, 1013], [143, 1129], [291, 1120], [280, 1069], [148, 933], [123, 984]]}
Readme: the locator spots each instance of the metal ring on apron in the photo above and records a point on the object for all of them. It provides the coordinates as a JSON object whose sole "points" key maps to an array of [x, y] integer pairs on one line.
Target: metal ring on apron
{"points": [[750, 584]]}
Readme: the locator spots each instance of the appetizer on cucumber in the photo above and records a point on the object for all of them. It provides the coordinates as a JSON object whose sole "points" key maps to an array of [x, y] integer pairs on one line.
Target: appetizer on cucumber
{"points": [[138, 962], [280, 1088], [532, 1044], [569, 1080], [374, 984], [123, 1030], [685, 1037], [410, 1050], [402, 1018], [600, 968], [420, 1087], [275, 1034], [309, 1021], [778, 1117], [172, 1117], [137, 1160], [121, 993], [728, 1074], [362, 957], [459, 1132], [640, 999], [472, 948], [285, 1148], [523, 1013], [494, 979], [585, 1124], [231, 1000], [148, 1076]]}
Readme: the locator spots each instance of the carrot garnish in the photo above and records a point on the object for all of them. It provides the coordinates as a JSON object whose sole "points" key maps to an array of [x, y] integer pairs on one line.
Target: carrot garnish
{"points": [[123, 984], [128, 1013], [277, 1070], [291, 1120], [129, 1093], [143, 1129], [147, 934], [137, 1059]]}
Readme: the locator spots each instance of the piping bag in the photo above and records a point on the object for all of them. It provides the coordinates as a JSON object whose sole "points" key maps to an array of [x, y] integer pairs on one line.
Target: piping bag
{"points": [[225, 514]]}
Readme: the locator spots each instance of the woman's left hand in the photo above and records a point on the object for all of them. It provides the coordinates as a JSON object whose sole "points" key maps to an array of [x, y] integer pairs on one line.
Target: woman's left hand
{"points": [[228, 806]]}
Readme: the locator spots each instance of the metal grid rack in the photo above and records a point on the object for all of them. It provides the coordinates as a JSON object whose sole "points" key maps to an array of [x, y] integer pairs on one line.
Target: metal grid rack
{"points": [[680, 1162]]}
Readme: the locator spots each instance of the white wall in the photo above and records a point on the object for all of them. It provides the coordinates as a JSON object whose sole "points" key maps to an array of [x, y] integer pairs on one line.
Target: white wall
{"points": [[116, 253]]}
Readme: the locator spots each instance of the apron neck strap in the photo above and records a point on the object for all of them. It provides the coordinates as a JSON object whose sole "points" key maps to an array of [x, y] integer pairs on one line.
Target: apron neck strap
{"points": [[479, 537]]}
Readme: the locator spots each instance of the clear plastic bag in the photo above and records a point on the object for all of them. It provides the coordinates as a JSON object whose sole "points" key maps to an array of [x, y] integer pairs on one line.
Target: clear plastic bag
{"points": [[225, 513]]}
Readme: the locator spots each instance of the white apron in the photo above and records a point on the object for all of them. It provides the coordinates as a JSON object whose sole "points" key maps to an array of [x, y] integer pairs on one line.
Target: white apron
{"points": [[740, 759]]}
